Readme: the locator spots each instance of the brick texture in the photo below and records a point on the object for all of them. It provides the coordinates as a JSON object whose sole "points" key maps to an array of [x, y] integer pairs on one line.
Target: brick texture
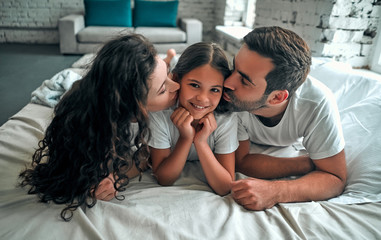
{"points": [[34, 21], [342, 29]]}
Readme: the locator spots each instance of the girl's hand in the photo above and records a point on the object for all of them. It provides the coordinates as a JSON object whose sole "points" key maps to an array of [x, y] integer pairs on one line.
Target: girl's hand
{"points": [[182, 120], [106, 190], [205, 127]]}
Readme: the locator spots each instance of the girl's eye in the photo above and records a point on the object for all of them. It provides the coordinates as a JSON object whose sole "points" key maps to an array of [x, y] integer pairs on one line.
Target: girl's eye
{"points": [[215, 90], [195, 85]]}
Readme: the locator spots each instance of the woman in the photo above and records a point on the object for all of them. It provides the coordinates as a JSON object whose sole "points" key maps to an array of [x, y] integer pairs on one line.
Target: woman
{"points": [[100, 127]]}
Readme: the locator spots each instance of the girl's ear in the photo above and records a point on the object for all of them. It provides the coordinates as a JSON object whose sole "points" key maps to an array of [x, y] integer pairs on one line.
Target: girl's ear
{"points": [[278, 96]]}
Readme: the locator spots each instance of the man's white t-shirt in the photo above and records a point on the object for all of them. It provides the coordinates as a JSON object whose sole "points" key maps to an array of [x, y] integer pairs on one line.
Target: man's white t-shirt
{"points": [[311, 116], [164, 134]]}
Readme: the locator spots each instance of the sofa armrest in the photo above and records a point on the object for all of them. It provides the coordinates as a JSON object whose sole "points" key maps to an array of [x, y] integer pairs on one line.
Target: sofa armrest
{"points": [[68, 27], [193, 29]]}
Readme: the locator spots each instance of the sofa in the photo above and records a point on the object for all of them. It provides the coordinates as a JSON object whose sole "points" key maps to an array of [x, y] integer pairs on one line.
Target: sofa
{"points": [[80, 33]]}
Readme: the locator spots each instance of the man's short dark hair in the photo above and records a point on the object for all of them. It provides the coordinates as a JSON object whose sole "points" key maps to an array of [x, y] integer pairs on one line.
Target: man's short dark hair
{"points": [[289, 53]]}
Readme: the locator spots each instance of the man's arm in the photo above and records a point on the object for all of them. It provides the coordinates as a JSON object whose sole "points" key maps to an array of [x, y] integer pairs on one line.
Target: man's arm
{"points": [[326, 181], [269, 167]]}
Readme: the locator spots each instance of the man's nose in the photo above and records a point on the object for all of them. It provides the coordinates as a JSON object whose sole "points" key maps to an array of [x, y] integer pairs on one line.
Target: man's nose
{"points": [[229, 82]]}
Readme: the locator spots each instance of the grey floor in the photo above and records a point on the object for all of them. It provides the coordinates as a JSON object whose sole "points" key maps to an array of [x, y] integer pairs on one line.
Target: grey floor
{"points": [[23, 67]]}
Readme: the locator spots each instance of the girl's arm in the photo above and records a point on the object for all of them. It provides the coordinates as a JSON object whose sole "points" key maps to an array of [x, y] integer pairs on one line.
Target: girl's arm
{"points": [[166, 165], [219, 168]]}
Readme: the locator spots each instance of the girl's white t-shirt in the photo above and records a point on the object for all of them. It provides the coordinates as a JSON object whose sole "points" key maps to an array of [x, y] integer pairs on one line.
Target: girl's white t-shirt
{"points": [[164, 134]]}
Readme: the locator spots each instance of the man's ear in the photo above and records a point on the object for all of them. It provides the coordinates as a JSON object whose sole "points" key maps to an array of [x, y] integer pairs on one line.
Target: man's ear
{"points": [[278, 96]]}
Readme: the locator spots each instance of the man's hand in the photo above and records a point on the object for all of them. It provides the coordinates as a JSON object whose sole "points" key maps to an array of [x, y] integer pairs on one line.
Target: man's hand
{"points": [[254, 194], [106, 190]]}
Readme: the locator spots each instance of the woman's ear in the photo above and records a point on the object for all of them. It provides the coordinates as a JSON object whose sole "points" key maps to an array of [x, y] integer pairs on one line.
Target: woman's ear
{"points": [[278, 96]]}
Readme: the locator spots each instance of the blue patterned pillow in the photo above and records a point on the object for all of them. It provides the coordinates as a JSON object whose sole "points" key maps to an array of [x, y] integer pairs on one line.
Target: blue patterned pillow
{"points": [[108, 13], [155, 13]]}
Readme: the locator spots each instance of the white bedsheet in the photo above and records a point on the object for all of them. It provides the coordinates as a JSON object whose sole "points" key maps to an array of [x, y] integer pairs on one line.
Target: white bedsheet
{"points": [[189, 209]]}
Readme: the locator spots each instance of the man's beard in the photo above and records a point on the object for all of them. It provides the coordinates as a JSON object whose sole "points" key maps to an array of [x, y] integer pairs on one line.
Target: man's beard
{"points": [[236, 105]]}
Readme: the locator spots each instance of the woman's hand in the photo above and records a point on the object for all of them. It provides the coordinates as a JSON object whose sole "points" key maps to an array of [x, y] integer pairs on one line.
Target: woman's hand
{"points": [[182, 120], [106, 190], [205, 127]]}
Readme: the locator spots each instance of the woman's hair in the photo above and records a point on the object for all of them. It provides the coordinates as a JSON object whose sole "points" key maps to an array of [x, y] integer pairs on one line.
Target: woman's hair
{"points": [[200, 54], [289, 53], [90, 133]]}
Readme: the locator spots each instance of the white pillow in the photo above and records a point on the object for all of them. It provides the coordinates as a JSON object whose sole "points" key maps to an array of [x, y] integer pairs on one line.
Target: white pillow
{"points": [[359, 101]]}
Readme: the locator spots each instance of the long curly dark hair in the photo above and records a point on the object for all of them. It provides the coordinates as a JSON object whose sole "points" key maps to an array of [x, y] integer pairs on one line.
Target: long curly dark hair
{"points": [[90, 134]]}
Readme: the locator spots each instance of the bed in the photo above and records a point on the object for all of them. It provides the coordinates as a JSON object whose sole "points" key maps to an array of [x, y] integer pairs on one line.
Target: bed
{"points": [[190, 209]]}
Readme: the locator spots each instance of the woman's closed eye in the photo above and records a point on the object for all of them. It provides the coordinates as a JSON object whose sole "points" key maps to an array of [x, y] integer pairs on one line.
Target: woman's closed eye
{"points": [[162, 91]]}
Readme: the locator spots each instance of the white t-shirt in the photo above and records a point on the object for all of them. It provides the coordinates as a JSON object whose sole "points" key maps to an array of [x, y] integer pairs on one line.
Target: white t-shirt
{"points": [[164, 134], [311, 116]]}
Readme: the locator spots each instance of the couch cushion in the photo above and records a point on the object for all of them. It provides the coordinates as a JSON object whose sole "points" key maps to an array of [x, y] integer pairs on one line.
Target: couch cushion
{"points": [[108, 13], [155, 13], [97, 34], [162, 34]]}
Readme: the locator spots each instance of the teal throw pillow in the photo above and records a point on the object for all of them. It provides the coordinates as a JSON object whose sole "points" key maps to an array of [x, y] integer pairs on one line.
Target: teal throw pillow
{"points": [[108, 13], [155, 13]]}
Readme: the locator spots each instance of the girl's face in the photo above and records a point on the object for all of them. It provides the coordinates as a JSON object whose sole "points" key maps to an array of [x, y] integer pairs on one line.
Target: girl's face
{"points": [[163, 91], [201, 90]]}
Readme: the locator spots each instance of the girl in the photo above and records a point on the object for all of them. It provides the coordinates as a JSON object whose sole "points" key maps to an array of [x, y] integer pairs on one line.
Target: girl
{"points": [[192, 131], [100, 126]]}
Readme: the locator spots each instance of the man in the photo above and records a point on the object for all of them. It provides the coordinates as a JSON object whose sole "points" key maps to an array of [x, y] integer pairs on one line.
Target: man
{"points": [[283, 105]]}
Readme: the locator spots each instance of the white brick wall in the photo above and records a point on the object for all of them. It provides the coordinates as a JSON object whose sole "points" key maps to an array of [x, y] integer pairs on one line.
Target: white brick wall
{"points": [[204, 10], [342, 29], [34, 21]]}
